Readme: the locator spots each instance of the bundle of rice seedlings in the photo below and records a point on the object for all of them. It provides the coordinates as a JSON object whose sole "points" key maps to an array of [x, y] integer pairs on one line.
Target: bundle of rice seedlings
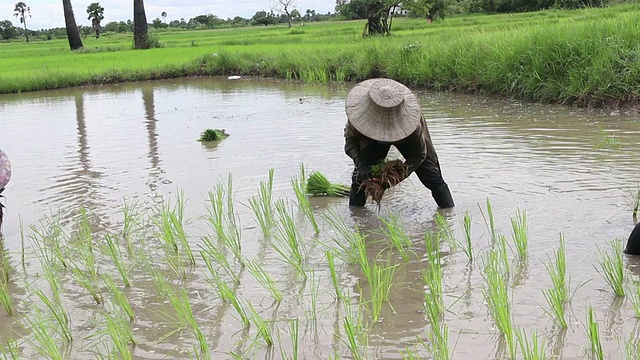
{"points": [[319, 185], [213, 135], [384, 175]]}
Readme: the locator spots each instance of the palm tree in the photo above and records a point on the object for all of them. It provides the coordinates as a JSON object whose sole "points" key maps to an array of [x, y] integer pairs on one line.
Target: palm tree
{"points": [[21, 11], [96, 14], [75, 42], [164, 16], [140, 30]]}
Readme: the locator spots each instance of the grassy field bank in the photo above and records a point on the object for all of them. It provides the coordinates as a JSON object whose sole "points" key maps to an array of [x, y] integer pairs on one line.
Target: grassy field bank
{"points": [[583, 57]]}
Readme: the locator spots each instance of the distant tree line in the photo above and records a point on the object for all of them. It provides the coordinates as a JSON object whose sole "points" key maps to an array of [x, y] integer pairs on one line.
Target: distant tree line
{"points": [[201, 22], [434, 9]]}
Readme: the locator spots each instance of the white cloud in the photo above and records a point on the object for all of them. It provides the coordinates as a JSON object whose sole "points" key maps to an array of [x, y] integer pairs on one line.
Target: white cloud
{"points": [[48, 13]]}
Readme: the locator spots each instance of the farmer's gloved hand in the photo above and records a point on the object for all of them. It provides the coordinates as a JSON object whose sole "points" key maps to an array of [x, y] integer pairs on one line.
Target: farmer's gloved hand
{"points": [[363, 170]]}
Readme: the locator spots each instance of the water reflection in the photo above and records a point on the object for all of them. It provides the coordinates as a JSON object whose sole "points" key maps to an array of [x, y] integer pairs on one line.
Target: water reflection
{"points": [[154, 158]]}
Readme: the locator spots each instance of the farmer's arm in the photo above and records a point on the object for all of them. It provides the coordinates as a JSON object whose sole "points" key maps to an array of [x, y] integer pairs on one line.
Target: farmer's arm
{"points": [[414, 149], [351, 142]]}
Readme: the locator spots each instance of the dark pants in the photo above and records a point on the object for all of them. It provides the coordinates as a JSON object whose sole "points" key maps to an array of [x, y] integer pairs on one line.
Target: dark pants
{"points": [[428, 172]]}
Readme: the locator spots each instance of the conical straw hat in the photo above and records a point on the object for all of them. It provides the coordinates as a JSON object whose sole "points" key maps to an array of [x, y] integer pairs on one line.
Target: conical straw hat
{"points": [[5, 169], [383, 109]]}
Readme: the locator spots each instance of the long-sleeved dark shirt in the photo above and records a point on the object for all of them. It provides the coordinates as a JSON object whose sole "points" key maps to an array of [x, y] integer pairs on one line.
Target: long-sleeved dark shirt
{"points": [[415, 148]]}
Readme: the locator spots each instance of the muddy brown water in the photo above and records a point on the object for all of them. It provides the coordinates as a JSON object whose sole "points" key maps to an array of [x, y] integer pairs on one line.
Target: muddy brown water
{"points": [[573, 170]]}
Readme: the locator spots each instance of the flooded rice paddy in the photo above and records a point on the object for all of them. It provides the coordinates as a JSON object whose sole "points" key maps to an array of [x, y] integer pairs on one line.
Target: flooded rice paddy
{"points": [[110, 185]]}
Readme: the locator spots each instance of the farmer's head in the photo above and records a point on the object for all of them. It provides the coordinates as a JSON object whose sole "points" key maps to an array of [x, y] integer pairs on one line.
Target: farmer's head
{"points": [[383, 110]]}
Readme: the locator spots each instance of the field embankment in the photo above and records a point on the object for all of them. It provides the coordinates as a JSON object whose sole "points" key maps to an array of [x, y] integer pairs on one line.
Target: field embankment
{"points": [[584, 57]]}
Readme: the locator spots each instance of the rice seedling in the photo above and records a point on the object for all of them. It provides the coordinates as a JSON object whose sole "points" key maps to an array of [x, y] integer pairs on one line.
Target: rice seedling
{"points": [[432, 277], [612, 267], [229, 296], [10, 350], [312, 313], [5, 293], [258, 271], [41, 338], [261, 205], [529, 347], [349, 241], [119, 297], [47, 240], [300, 188], [519, 231], [446, 233], [287, 239], [632, 346], [380, 275], [594, 335], [491, 223], [223, 218], [295, 340], [89, 282], [434, 303], [355, 331], [186, 320], [334, 276], [169, 221], [261, 325], [112, 250], [634, 297], [497, 298], [557, 295], [211, 252], [467, 247], [395, 233], [319, 185], [121, 335], [131, 223], [60, 321], [84, 263]]}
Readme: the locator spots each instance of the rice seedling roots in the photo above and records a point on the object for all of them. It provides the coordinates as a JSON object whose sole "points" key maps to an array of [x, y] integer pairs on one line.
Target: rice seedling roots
{"points": [[389, 175]]}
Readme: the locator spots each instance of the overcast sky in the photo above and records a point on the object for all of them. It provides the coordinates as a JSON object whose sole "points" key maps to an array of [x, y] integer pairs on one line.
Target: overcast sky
{"points": [[47, 14]]}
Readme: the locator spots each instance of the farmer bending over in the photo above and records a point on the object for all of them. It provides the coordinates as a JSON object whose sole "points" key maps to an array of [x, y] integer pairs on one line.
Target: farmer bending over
{"points": [[633, 243], [5, 175], [383, 112]]}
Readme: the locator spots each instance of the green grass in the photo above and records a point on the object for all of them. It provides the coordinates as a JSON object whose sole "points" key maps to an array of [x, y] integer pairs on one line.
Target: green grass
{"points": [[585, 57]]}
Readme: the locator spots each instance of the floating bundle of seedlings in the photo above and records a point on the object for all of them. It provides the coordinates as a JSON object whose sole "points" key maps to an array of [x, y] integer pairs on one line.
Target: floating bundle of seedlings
{"points": [[319, 185], [213, 135], [384, 175]]}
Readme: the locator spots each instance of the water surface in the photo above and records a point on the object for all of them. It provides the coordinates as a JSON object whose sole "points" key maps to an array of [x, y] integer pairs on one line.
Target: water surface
{"points": [[574, 171]]}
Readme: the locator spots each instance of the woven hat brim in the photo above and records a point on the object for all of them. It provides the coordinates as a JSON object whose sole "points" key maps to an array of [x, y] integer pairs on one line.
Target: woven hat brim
{"points": [[382, 124]]}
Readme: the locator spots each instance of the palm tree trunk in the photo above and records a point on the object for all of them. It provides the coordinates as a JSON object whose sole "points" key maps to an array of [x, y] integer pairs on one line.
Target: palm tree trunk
{"points": [[26, 33], [75, 42], [140, 36]]}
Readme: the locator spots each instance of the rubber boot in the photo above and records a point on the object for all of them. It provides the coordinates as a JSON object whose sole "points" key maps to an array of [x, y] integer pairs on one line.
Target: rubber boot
{"points": [[442, 196], [633, 244]]}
